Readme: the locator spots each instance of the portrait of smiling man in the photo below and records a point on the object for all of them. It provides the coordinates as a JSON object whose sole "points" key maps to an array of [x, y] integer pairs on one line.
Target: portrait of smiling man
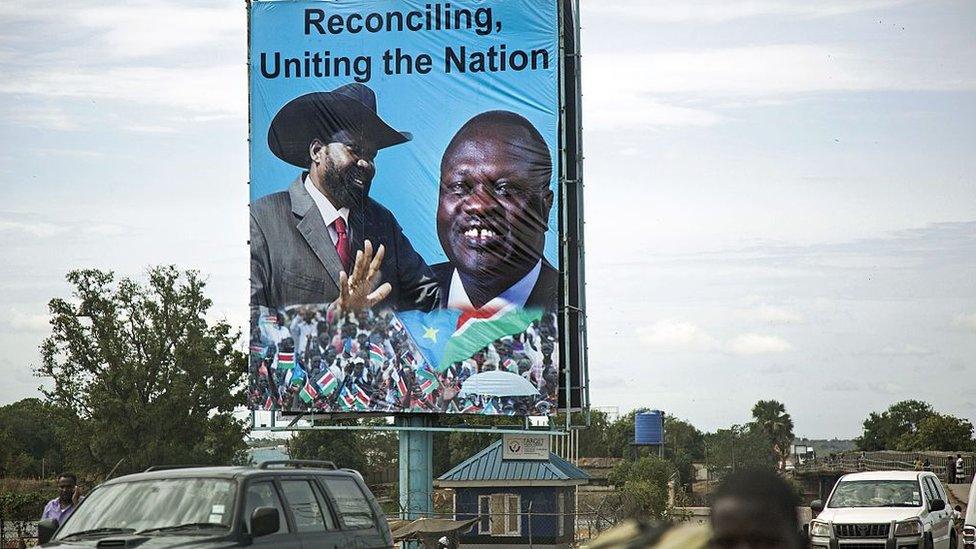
{"points": [[492, 216], [324, 239]]}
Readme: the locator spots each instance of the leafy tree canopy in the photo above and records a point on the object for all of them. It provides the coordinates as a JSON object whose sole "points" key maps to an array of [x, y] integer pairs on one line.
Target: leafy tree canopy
{"points": [[363, 451], [29, 445], [913, 425], [770, 417], [739, 447], [940, 432], [140, 373], [643, 486]]}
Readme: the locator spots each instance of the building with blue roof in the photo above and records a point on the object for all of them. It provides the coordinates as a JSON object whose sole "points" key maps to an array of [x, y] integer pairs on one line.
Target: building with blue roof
{"points": [[519, 502]]}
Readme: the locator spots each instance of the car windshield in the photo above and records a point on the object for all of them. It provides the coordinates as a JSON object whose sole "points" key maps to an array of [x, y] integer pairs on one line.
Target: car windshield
{"points": [[876, 493], [185, 505]]}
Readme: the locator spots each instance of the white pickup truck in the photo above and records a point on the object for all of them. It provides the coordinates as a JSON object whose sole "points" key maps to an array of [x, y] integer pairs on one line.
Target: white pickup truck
{"points": [[884, 510]]}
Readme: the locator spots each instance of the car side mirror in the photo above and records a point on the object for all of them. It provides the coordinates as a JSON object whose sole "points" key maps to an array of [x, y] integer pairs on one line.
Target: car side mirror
{"points": [[264, 521], [45, 530], [936, 505], [816, 506]]}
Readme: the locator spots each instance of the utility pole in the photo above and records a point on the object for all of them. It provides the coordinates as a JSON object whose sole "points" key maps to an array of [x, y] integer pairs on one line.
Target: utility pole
{"points": [[733, 430]]}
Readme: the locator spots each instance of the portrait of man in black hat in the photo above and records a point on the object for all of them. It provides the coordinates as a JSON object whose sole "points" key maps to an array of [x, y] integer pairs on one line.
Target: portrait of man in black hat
{"points": [[324, 239], [492, 216]]}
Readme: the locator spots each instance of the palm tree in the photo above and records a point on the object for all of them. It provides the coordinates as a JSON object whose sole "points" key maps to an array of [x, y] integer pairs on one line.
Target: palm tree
{"points": [[771, 417]]}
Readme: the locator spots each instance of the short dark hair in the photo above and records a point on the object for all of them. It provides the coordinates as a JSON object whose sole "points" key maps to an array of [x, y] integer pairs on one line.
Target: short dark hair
{"points": [[765, 489], [72, 476], [535, 144]]}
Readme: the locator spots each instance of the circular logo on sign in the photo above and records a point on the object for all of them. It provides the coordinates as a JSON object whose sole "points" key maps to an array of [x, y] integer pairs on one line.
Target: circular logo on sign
{"points": [[514, 446]]}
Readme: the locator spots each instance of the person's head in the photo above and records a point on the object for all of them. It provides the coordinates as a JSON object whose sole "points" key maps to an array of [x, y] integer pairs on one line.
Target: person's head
{"points": [[66, 486], [495, 198], [342, 166], [755, 509], [335, 135]]}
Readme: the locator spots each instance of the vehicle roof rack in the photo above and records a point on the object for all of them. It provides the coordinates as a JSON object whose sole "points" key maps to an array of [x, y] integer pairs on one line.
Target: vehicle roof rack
{"points": [[299, 464], [152, 468]]}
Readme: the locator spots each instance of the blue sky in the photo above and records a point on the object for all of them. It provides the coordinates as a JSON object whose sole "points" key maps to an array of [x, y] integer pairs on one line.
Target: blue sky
{"points": [[780, 195]]}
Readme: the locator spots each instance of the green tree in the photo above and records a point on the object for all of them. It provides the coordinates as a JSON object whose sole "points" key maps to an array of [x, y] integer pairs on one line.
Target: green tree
{"points": [[739, 447], [771, 418], [684, 444], [29, 442], [366, 451], [141, 374], [885, 430], [643, 487], [683, 438], [939, 432]]}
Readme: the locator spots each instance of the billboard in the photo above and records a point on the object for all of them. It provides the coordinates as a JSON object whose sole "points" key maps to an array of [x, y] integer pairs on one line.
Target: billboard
{"points": [[405, 207]]}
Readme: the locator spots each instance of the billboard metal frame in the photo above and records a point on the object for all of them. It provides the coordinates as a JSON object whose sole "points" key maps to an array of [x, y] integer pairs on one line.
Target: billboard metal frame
{"points": [[574, 394]]}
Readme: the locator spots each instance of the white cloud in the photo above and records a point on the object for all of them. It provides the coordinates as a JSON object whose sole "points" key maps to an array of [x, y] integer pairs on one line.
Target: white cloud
{"points": [[121, 30], [642, 89], [103, 229], [50, 118], [773, 70], [906, 349], [675, 335], [758, 344], [17, 226], [716, 11], [967, 321], [19, 322], [608, 107], [142, 30], [770, 314], [152, 129], [73, 153], [38, 229], [218, 89]]}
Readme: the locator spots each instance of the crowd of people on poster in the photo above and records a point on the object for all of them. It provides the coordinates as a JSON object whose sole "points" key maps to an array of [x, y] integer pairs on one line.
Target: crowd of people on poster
{"points": [[403, 224]]}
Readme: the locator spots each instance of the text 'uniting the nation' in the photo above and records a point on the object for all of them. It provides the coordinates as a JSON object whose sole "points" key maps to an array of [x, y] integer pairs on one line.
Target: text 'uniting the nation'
{"points": [[454, 59]]}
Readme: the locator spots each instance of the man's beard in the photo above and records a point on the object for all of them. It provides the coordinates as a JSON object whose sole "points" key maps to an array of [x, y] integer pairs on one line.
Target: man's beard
{"points": [[343, 187]]}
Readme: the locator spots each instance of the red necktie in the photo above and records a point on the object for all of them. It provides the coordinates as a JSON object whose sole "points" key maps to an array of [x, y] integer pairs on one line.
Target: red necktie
{"points": [[342, 243]]}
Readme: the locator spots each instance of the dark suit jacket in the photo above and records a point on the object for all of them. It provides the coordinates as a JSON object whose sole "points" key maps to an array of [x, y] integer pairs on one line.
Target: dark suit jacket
{"points": [[293, 259], [544, 295]]}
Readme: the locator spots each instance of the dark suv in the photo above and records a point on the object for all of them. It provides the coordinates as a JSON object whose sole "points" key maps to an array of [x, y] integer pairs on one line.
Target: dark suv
{"points": [[281, 504]]}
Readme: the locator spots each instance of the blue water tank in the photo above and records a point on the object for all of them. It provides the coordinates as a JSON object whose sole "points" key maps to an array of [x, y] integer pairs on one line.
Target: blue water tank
{"points": [[649, 428]]}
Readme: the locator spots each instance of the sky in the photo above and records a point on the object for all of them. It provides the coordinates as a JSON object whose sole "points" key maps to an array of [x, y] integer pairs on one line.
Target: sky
{"points": [[780, 196]]}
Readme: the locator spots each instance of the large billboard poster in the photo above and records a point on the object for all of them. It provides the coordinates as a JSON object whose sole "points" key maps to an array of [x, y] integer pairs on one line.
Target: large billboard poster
{"points": [[404, 206]]}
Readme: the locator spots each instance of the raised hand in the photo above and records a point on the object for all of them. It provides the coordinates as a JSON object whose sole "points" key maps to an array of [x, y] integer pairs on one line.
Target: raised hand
{"points": [[356, 291]]}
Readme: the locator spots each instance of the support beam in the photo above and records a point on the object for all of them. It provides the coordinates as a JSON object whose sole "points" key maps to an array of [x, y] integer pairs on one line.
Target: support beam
{"points": [[416, 485]]}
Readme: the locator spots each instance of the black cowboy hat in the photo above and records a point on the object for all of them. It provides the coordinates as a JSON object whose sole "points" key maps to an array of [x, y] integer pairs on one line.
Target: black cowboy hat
{"points": [[320, 114]]}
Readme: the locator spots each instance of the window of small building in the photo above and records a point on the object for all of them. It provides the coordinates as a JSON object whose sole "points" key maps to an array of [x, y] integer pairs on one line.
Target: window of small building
{"points": [[500, 515]]}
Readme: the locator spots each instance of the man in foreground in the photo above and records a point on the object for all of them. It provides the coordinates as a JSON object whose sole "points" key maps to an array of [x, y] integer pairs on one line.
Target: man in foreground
{"points": [[755, 509], [62, 506]]}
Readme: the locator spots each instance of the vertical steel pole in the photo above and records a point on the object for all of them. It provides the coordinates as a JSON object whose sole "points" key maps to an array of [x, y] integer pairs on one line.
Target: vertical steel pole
{"points": [[416, 467]]}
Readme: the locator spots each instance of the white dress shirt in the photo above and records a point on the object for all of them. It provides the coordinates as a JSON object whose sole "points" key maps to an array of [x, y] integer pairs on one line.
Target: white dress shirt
{"points": [[517, 294], [328, 211]]}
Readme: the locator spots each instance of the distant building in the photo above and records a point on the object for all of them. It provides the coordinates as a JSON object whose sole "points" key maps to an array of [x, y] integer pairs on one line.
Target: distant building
{"points": [[598, 468], [519, 502]]}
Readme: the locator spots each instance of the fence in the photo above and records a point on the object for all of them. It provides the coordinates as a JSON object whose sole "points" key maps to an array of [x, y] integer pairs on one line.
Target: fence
{"points": [[535, 527], [21, 504], [887, 461]]}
